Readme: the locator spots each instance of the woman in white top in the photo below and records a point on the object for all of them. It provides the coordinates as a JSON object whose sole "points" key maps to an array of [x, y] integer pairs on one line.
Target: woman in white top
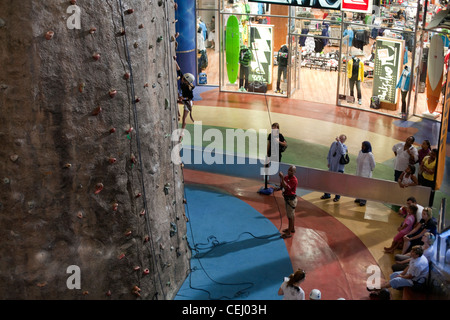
{"points": [[365, 163], [290, 288], [405, 153], [407, 178]]}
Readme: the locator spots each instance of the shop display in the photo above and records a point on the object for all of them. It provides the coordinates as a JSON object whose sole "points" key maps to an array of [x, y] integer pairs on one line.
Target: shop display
{"points": [[387, 69], [261, 42], [325, 61], [232, 48], [435, 72]]}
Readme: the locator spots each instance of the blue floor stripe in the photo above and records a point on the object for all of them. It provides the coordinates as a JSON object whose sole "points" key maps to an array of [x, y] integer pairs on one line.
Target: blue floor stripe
{"points": [[236, 252]]}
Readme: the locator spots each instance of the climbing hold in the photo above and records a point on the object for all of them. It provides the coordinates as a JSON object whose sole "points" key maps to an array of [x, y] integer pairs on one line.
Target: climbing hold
{"points": [[136, 268], [41, 284], [160, 38], [129, 11], [159, 75], [112, 160], [138, 195], [122, 32], [166, 104], [137, 99], [112, 130], [184, 201], [146, 239], [92, 30], [115, 206], [112, 93], [81, 87], [86, 292], [136, 45], [160, 3], [67, 165], [133, 158], [175, 6], [6, 181], [128, 233], [146, 85], [97, 111], [126, 76], [142, 212], [98, 188], [108, 293], [172, 38], [168, 283], [96, 56], [129, 130], [80, 214], [73, 2], [14, 157], [136, 291], [49, 35], [121, 256], [177, 35], [141, 26], [173, 230], [146, 271]]}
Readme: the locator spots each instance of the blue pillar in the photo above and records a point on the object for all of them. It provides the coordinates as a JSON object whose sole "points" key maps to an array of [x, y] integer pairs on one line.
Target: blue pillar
{"points": [[186, 26]]}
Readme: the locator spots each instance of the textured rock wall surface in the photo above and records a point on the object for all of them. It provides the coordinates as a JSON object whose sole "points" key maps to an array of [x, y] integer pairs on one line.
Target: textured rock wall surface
{"points": [[65, 119]]}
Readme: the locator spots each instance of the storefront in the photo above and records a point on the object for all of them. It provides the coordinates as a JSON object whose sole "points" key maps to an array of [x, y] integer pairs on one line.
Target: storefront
{"points": [[357, 59]]}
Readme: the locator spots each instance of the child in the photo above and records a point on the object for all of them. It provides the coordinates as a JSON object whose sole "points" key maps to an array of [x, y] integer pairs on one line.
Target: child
{"points": [[187, 86]]}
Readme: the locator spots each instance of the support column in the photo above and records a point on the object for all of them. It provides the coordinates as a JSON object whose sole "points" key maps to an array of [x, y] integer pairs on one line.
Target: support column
{"points": [[187, 39]]}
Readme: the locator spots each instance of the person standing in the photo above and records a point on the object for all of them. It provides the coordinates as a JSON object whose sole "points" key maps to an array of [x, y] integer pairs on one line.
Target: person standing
{"points": [[428, 169], [282, 144], [289, 185], [365, 164], [337, 149], [405, 153]]}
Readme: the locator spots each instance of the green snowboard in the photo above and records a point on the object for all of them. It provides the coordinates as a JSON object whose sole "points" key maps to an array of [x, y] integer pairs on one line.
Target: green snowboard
{"points": [[232, 47]]}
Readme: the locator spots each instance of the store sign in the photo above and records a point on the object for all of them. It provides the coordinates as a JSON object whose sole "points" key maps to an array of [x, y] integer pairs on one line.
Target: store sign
{"points": [[387, 68], [319, 4], [357, 6], [443, 139]]}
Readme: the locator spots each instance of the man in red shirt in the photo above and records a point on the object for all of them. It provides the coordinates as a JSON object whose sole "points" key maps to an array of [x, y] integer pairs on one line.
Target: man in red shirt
{"points": [[289, 186]]}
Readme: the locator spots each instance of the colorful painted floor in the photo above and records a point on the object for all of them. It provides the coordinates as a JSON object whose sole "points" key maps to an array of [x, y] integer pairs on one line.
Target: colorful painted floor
{"points": [[335, 243]]}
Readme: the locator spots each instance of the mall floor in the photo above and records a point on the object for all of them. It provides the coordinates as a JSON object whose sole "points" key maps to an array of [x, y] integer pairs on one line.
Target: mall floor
{"points": [[335, 241]]}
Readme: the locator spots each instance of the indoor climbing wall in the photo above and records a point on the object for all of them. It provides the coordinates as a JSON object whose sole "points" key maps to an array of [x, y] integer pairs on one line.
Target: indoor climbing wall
{"points": [[91, 205]]}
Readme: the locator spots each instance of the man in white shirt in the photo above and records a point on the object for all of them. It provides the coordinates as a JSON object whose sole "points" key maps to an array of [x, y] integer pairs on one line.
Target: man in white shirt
{"points": [[404, 153], [412, 201], [415, 272]]}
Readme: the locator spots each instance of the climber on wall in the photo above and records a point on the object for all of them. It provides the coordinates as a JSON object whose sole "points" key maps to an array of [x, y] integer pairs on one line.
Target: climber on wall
{"points": [[187, 85]]}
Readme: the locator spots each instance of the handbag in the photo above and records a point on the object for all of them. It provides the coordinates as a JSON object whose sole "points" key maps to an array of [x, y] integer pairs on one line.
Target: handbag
{"points": [[345, 159]]}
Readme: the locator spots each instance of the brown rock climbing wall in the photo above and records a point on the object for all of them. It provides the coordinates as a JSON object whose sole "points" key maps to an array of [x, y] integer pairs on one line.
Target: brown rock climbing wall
{"points": [[88, 192]]}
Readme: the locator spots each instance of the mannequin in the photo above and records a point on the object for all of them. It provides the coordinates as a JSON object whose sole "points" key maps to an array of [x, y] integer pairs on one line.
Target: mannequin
{"points": [[355, 73], [349, 32], [245, 58], [403, 84], [283, 55]]}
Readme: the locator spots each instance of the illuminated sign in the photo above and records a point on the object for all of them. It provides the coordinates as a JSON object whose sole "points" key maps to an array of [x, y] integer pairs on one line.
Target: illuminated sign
{"points": [[387, 68], [319, 4], [357, 6]]}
